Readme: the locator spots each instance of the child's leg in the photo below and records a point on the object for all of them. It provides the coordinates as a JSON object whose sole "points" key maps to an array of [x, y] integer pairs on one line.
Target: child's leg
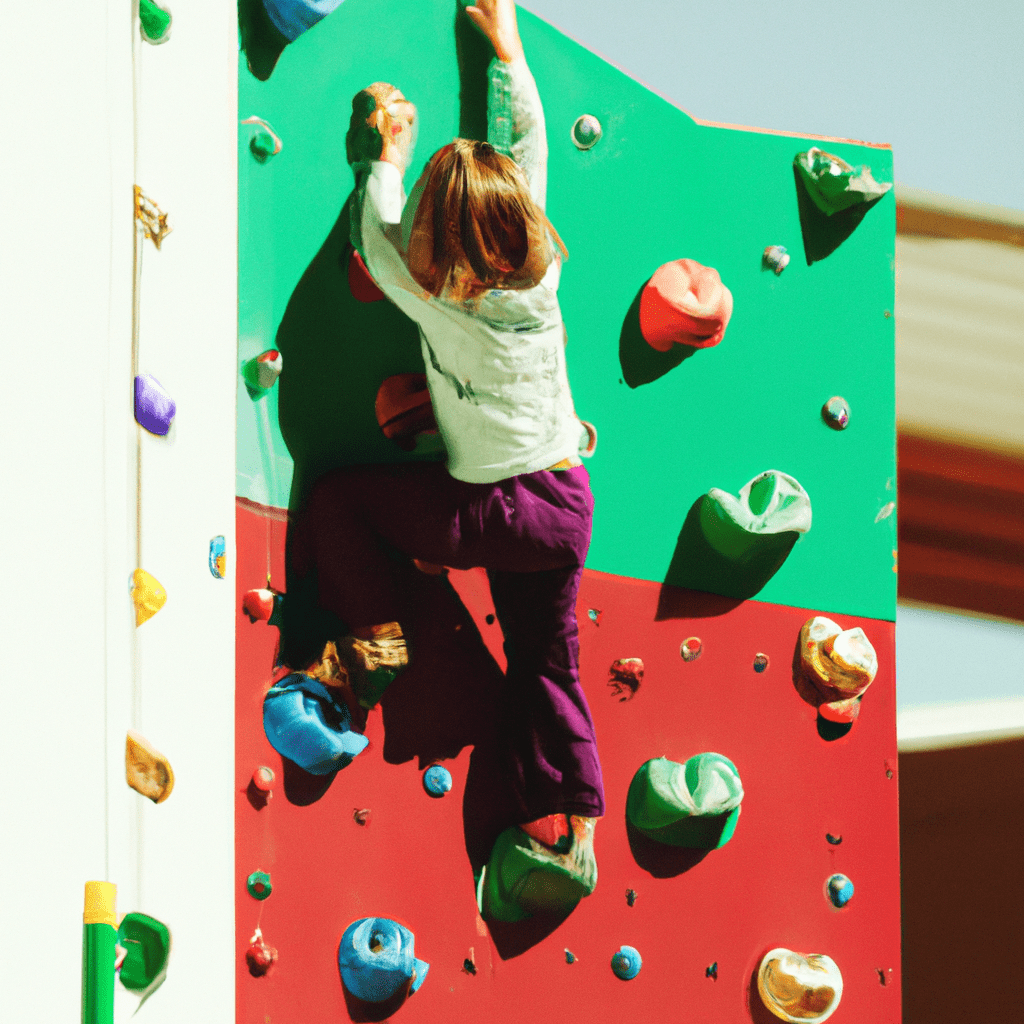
{"points": [[546, 723]]}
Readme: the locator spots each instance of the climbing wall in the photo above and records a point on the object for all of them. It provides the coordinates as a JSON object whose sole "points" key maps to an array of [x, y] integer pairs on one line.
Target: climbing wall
{"points": [[818, 800]]}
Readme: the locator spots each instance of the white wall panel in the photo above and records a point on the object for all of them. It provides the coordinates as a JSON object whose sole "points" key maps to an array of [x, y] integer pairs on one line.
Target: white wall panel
{"points": [[75, 673]]}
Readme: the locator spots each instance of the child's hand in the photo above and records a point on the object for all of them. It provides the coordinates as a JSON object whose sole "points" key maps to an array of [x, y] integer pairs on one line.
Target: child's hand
{"points": [[497, 20]]}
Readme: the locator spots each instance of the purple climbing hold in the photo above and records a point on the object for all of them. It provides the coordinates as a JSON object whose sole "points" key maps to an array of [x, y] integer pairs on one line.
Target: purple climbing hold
{"points": [[154, 408]]}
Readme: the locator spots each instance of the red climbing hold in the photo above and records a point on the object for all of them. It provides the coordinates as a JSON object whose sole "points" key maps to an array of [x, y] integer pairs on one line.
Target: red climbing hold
{"points": [[263, 779], [403, 408], [359, 281], [625, 677], [258, 605], [259, 957]]}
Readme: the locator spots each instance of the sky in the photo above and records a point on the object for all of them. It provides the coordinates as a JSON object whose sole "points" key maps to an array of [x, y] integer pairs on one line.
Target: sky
{"points": [[942, 82]]}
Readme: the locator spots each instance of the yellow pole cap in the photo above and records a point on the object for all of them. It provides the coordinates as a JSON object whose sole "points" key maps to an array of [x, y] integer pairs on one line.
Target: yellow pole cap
{"points": [[99, 903]]}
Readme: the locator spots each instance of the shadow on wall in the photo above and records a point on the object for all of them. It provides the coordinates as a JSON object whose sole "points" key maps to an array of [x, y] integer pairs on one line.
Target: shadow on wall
{"points": [[337, 351], [641, 363], [723, 584], [824, 233]]}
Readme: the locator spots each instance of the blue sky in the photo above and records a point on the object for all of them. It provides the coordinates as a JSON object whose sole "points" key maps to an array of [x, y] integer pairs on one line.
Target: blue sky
{"points": [[942, 82]]}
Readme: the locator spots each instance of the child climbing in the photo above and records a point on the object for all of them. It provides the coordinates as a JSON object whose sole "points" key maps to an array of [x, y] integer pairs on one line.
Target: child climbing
{"points": [[473, 260]]}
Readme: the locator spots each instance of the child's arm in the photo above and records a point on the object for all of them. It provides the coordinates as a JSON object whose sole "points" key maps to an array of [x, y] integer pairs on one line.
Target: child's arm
{"points": [[510, 77], [378, 147]]}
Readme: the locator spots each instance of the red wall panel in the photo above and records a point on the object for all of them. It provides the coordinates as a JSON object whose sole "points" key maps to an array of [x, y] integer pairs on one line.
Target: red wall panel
{"points": [[764, 889]]}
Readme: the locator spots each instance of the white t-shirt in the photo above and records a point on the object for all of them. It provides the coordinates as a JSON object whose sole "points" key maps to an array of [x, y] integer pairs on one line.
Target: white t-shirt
{"points": [[495, 364]]}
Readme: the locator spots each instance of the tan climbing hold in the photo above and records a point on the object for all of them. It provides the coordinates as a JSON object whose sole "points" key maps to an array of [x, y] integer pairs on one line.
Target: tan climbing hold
{"points": [[147, 770]]}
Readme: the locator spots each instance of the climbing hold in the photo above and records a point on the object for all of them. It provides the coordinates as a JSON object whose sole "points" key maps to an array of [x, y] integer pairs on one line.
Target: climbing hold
{"points": [[437, 780], [760, 662], [885, 511], [404, 411], [690, 649], [684, 303], [836, 413], [147, 945], [625, 677], [769, 506], [258, 885], [626, 963], [361, 815], [833, 840], [695, 805], [154, 22], [154, 408], [218, 557], [884, 977], [259, 957], [833, 184], [630, 897], [841, 665], [146, 770], [594, 614], [468, 967], [376, 958], [570, 956], [712, 971], [839, 889], [798, 988], [586, 132], [525, 876], [148, 596], [588, 440], [263, 779], [489, 619], [261, 605], [360, 283], [261, 372], [775, 258], [264, 142], [151, 218], [309, 723]]}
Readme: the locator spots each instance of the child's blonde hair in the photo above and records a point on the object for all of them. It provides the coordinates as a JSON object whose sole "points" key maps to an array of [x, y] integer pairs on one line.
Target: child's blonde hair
{"points": [[477, 226]]}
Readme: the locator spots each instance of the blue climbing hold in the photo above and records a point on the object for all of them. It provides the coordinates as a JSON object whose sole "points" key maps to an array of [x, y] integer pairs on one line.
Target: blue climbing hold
{"points": [[309, 724], [437, 780], [626, 963], [840, 890], [218, 557], [376, 958]]}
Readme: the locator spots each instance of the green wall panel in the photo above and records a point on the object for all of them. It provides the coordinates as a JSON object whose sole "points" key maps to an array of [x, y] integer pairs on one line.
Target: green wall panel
{"points": [[657, 187]]}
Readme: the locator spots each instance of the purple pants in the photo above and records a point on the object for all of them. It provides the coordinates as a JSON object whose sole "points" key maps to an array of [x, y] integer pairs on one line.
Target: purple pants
{"points": [[531, 534]]}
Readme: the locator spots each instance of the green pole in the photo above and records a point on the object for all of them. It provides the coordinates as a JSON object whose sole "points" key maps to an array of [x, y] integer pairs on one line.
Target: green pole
{"points": [[99, 937]]}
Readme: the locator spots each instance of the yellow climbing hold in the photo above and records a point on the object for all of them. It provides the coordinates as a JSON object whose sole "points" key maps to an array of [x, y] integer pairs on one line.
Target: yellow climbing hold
{"points": [[147, 596]]}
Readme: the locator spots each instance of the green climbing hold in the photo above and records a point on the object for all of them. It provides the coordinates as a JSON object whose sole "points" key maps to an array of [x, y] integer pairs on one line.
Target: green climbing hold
{"points": [[695, 804], [154, 22], [258, 885], [833, 184], [147, 942], [768, 508]]}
